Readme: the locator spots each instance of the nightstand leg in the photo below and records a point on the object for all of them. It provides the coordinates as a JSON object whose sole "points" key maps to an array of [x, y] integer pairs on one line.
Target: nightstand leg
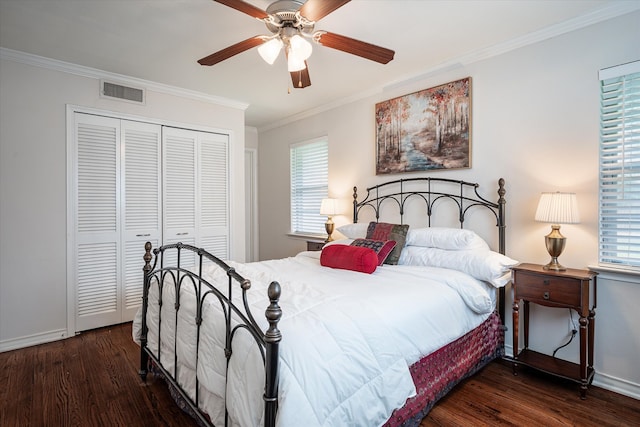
{"points": [[516, 323], [591, 339], [583, 357], [526, 324]]}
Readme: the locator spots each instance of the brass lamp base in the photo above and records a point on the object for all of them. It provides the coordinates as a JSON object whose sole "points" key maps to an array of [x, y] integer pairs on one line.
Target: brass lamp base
{"points": [[555, 245], [328, 226]]}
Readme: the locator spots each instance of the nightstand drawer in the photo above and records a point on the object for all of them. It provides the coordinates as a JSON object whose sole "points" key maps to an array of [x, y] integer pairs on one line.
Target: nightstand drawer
{"points": [[314, 246], [547, 289]]}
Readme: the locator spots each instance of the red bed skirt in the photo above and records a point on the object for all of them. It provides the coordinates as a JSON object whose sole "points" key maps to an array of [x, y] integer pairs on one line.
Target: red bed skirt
{"points": [[436, 374]]}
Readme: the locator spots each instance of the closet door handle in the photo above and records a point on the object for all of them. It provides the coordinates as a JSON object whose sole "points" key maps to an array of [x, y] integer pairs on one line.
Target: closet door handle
{"points": [[143, 235], [182, 234]]}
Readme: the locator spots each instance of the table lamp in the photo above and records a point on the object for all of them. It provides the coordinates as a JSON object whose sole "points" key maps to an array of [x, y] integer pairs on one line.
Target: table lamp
{"points": [[557, 208]]}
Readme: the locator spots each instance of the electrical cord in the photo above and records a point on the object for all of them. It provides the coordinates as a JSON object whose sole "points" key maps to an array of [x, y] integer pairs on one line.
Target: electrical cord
{"points": [[574, 331]]}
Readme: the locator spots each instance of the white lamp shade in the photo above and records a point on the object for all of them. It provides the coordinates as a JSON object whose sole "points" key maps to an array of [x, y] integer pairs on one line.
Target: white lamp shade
{"points": [[300, 48], [295, 64], [270, 50], [558, 208], [328, 207]]}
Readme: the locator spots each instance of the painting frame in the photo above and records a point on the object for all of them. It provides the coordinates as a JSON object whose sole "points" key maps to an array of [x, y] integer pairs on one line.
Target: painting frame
{"points": [[427, 130]]}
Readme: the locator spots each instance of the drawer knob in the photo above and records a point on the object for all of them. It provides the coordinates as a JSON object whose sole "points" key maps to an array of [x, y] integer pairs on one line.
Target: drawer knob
{"points": [[545, 281], [546, 295]]}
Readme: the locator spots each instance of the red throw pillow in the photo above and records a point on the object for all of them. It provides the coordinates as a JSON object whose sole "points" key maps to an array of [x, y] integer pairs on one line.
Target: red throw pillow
{"points": [[381, 247], [348, 257]]}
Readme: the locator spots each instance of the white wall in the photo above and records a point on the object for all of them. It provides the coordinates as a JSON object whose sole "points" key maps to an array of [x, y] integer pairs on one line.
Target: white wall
{"points": [[534, 123], [33, 287]]}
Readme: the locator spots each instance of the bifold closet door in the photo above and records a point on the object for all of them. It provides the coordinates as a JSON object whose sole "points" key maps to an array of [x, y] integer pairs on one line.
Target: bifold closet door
{"points": [[115, 175], [141, 206], [196, 189], [97, 249]]}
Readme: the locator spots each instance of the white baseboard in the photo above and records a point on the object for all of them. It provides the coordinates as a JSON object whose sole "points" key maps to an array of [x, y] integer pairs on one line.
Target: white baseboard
{"points": [[35, 339], [617, 385]]}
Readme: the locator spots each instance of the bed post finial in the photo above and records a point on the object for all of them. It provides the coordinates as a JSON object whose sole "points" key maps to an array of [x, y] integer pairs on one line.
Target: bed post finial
{"points": [[147, 257], [272, 340], [355, 204]]}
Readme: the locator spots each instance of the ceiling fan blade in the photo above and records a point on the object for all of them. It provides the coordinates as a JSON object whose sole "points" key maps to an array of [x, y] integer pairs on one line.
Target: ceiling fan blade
{"points": [[353, 46], [301, 78], [244, 7], [315, 10], [232, 50]]}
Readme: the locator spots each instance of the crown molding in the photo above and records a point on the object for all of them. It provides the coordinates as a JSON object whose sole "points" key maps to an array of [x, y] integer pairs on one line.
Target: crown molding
{"points": [[82, 71]]}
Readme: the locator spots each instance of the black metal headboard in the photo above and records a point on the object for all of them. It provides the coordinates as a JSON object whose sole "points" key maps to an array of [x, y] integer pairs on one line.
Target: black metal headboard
{"points": [[432, 190], [464, 194]]}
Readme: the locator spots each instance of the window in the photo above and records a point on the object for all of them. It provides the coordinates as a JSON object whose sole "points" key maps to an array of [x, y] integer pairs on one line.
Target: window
{"points": [[309, 185], [620, 166]]}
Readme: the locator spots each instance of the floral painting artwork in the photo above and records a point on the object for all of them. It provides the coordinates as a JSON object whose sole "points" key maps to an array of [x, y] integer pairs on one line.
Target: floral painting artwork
{"points": [[425, 130]]}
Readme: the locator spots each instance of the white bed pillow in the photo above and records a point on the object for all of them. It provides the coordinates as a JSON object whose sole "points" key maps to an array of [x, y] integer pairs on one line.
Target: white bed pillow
{"points": [[484, 265], [445, 238], [354, 231]]}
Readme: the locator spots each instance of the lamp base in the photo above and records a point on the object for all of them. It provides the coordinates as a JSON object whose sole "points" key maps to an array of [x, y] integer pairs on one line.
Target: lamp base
{"points": [[554, 265], [328, 226], [555, 245]]}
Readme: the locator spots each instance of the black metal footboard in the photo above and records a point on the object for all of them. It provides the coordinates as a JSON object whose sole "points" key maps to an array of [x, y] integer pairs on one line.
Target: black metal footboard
{"points": [[186, 270]]}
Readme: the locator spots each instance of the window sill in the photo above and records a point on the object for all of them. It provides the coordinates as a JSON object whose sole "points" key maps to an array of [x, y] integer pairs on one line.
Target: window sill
{"points": [[617, 273], [316, 237]]}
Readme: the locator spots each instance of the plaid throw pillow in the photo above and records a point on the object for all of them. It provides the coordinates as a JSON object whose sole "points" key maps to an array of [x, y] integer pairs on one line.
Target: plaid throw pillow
{"points": [[384, 231]]}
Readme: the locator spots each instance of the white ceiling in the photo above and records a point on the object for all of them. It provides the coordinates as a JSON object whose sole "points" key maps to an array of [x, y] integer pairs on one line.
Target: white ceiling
{"points": [[161, 40]]}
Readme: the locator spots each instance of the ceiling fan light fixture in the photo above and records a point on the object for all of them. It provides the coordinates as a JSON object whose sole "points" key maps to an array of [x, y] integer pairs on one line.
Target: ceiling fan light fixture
{"points": [[300, 47], [270, 50], [295, 64]]}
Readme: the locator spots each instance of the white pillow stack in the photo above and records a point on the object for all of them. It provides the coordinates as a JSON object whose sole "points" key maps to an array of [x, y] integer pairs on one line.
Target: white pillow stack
{"points": [[456, 249]]}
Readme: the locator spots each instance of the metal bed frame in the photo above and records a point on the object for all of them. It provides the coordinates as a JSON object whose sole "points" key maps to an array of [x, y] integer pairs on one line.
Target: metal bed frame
{"points": [[466, 197]]}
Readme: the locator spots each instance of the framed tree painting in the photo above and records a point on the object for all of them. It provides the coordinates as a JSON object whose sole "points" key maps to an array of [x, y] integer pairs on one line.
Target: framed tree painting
{"points": [[425, 130]]}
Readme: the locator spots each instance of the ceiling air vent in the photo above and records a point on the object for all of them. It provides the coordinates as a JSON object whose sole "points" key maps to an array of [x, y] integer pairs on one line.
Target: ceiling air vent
{"points": [[126, 93]]}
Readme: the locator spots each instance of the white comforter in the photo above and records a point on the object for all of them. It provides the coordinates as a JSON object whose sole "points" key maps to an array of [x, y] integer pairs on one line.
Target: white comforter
{"points": [[348, 339]]}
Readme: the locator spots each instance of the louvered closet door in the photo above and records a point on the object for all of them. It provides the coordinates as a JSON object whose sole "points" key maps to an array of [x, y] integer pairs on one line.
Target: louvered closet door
{"points": [[117, 173], [97, 221], [179, 189], [213, 161], [141, 206], [196, 183]]}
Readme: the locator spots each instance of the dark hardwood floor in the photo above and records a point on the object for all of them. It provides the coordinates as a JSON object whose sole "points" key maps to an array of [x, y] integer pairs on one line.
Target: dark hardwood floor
{"points": [[91, 380]]}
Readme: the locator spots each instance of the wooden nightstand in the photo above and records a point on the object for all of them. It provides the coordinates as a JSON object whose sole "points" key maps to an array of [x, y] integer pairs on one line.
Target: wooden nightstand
{"points": [[573, 289], [315, 245]]}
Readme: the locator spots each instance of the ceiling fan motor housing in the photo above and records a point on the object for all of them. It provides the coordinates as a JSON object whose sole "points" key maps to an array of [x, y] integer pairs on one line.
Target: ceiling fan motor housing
{"points": [[284, 13]]}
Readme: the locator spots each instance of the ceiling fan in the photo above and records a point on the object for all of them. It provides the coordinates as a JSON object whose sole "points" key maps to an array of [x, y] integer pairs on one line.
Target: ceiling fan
{"points": [[291, 23]]}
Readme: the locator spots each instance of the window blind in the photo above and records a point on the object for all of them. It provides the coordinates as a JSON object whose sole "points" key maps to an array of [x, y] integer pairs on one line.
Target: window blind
{"points": [[619, 228], [309, 185]]}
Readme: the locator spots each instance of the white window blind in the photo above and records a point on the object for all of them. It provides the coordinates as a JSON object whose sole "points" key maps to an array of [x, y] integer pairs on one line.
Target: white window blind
{"points": [[309, 185], [620, 166]]}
